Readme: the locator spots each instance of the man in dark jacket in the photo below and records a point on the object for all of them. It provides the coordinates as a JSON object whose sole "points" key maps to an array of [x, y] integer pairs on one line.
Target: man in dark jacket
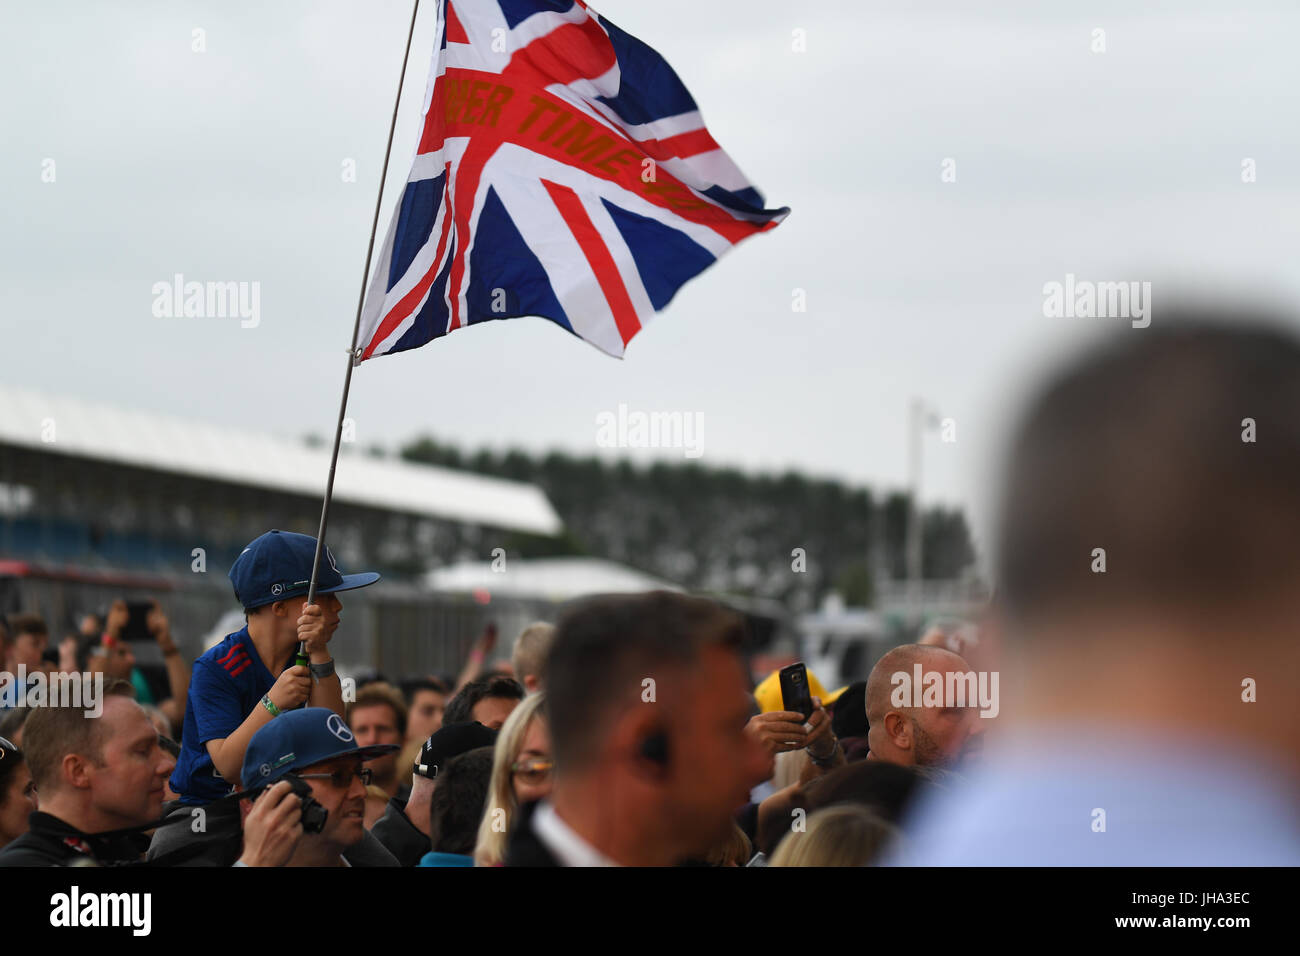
{"points": [[404, 827], [94, 777]]}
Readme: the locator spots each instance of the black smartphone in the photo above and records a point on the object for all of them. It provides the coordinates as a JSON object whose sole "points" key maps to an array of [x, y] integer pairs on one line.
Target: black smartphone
{"points": [[137, 621], [795, 695]]}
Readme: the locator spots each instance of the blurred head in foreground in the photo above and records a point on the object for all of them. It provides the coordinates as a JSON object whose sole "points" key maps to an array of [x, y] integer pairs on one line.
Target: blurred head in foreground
{"points": [[1149, 548], [1148, 558]]}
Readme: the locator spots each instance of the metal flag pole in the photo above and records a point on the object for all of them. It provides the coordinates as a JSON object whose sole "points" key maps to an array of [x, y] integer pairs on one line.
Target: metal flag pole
{"points": [[356, 331]]}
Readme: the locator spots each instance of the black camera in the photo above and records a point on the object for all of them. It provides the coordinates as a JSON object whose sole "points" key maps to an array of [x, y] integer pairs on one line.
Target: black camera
{"points": [[313, 814]]}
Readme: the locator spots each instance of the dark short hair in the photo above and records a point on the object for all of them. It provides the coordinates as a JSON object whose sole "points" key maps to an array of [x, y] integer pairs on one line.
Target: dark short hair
{"points": [[51, 733], [21, 624], [604, 648], [1138, 448], [461, 707], [412, 687], [458, 802]]}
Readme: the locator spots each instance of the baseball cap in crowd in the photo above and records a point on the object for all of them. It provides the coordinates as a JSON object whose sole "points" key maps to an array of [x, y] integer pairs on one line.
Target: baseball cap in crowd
{"points": [[277, 565], [450, 741], [298, 739]]}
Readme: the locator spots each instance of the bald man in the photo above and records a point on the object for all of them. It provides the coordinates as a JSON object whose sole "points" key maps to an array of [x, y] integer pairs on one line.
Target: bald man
{"points": [[919, 736]]}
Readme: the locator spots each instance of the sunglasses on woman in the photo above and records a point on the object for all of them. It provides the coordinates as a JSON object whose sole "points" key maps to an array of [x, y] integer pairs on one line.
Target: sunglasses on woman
{"points": [[533, 769]]}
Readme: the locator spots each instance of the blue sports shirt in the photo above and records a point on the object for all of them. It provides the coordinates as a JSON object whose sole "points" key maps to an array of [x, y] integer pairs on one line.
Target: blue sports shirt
{"points": [[228, 682]]}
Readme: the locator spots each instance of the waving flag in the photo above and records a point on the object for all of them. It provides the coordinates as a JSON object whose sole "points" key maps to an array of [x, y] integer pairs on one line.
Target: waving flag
{"points": [[563, 171]]}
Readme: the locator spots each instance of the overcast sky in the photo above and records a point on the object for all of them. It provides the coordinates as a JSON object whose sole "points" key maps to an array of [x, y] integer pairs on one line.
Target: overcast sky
{"points": [[226, 165]]}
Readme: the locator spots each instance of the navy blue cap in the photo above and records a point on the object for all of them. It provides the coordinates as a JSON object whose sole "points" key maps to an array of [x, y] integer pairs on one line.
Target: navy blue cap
{"points": [[297, 739], [277, 566]]}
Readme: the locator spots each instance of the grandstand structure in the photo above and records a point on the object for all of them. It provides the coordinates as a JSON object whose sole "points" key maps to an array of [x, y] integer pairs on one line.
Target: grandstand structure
{"points": [[98, 502]]}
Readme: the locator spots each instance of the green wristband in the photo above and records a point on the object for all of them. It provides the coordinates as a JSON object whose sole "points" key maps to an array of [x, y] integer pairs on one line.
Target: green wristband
{"points": [[269, 705]]}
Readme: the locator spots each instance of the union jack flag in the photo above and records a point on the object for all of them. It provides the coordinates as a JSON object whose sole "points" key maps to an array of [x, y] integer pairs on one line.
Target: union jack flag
{"points": [[563, 171]]}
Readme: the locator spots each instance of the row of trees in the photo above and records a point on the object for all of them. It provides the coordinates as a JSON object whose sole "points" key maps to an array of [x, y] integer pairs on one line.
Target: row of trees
{"points": [[783, 536]]}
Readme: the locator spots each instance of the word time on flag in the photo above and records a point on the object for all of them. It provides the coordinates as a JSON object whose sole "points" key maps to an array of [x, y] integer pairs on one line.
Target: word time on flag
{"points": [[563, 171]]}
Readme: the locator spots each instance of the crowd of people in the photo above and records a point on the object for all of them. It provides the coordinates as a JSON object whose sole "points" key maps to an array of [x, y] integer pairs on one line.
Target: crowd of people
{"points": [[630, 694], [1143, 626]]}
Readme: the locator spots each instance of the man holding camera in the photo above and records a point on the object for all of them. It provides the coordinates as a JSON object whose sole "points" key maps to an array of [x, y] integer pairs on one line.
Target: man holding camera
{"points": [[282, 829]]}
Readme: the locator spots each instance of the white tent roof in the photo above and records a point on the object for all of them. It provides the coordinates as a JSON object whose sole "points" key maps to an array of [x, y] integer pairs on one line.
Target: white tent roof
{"points": [[146, 440], [555, 579]]}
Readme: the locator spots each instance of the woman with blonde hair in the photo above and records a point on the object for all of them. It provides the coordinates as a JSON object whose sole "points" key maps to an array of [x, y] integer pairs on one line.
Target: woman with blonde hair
{"points": [[846, 834], [521, 773]]}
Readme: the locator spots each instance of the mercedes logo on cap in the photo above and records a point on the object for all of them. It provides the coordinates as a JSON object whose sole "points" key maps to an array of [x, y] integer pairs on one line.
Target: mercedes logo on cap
{"points": [[339, 729]]}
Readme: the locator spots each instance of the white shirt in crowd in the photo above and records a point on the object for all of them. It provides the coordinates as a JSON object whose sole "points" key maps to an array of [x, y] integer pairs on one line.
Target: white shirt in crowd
{"points": [[567, 847], [1081, 796]]}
